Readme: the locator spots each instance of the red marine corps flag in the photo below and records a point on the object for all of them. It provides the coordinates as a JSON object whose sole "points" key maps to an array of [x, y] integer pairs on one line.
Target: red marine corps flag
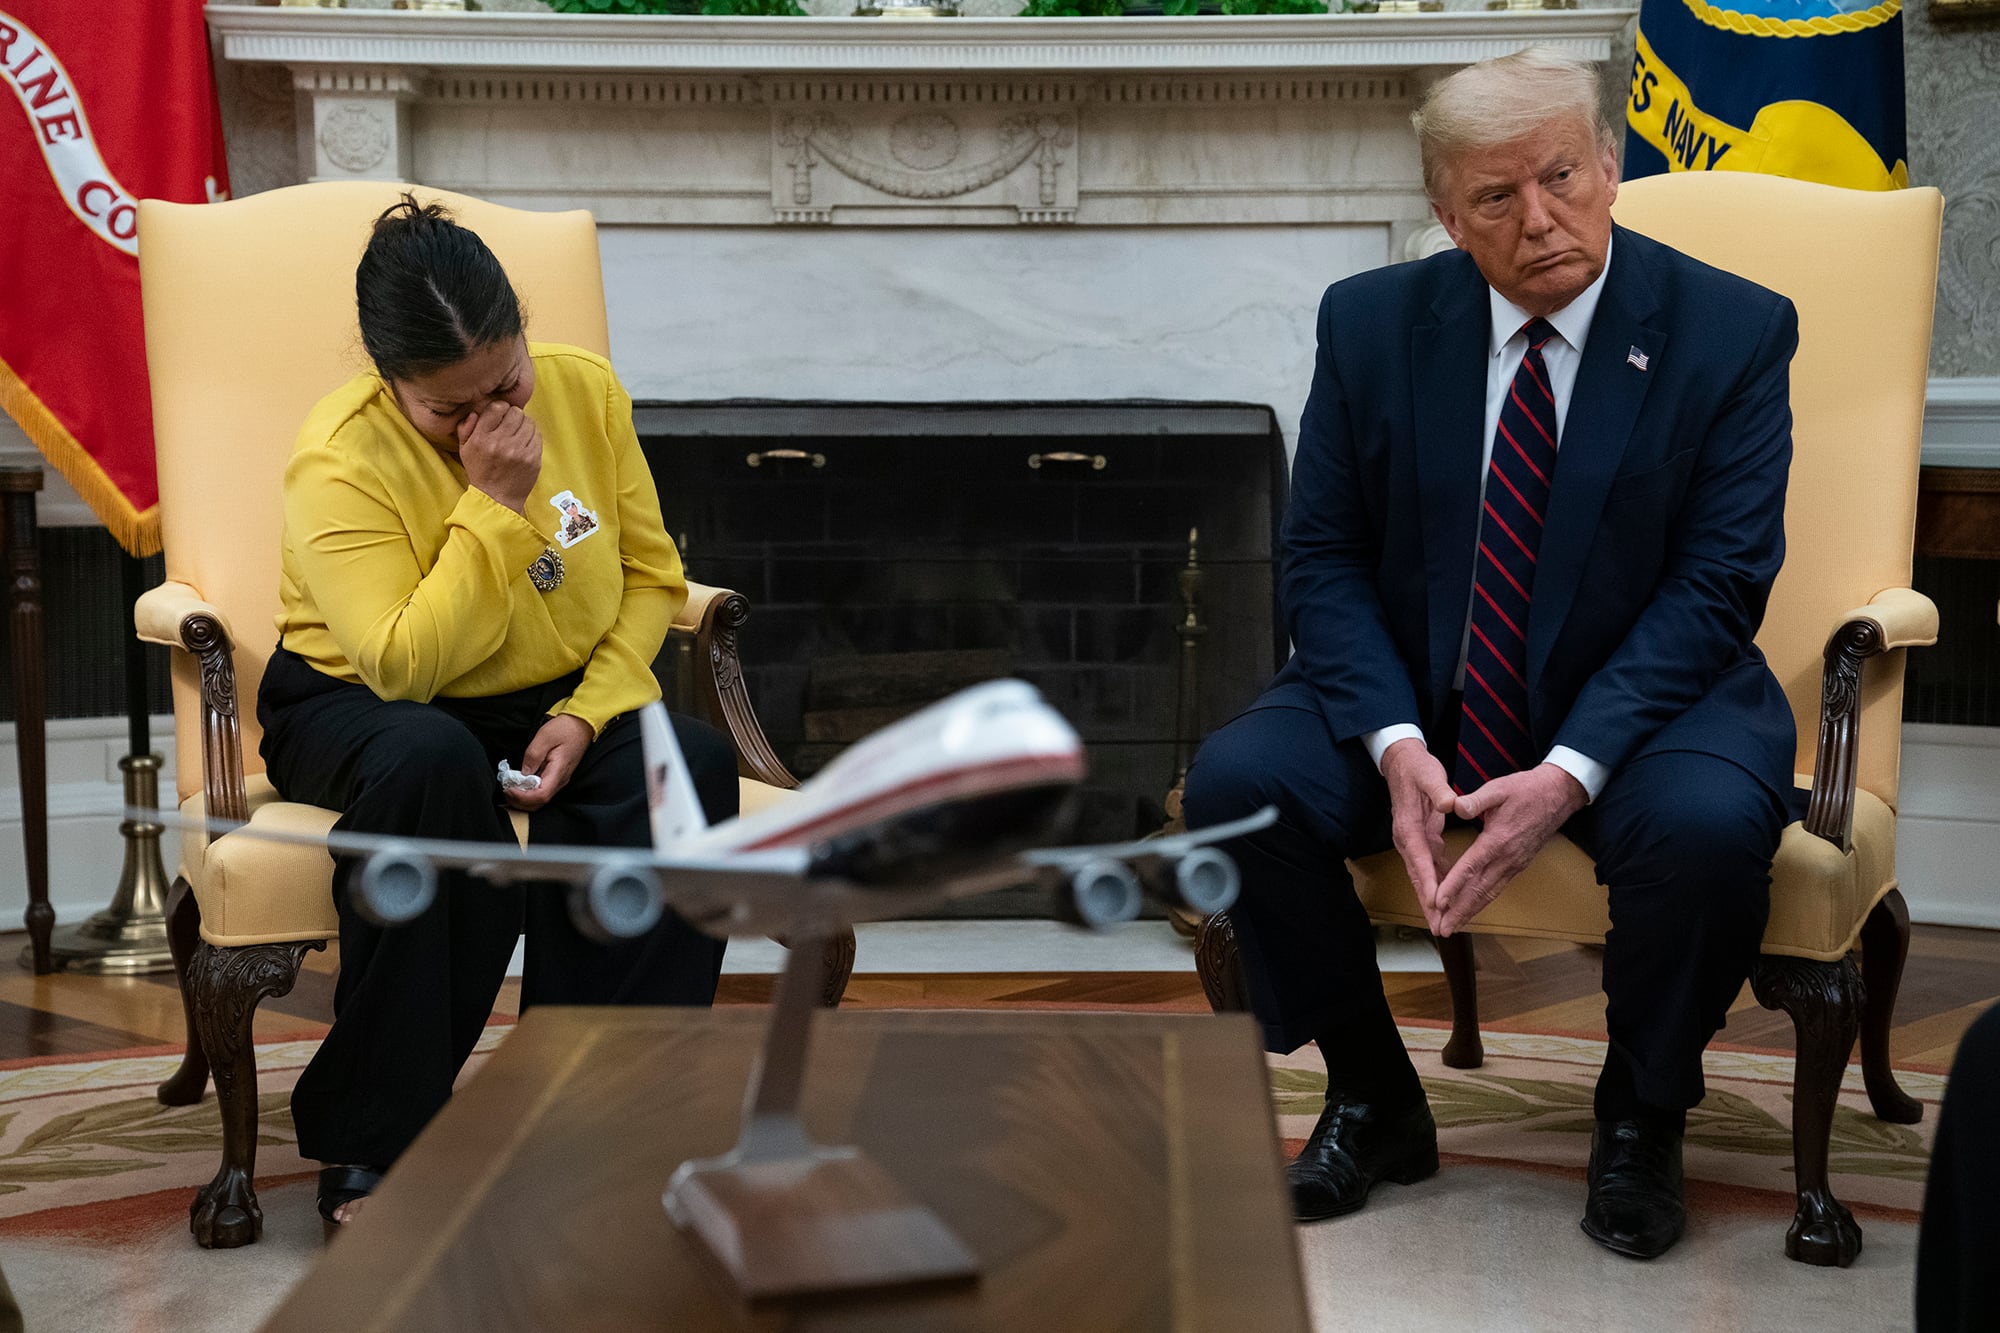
{"points": [[116, 104]]}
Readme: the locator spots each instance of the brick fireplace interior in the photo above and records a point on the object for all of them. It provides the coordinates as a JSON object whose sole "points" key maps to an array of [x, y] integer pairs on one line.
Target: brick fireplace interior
{"points": [[895, 552]]}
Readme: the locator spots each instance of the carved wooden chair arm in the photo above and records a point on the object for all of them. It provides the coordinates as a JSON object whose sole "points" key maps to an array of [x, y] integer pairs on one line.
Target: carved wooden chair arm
{"points": [[1897, 618], [174, 614], [710, 665], [160, 614]]}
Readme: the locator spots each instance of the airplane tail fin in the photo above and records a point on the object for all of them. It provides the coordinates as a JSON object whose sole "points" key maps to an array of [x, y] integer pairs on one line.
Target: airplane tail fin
{"points": [[670, 795]]}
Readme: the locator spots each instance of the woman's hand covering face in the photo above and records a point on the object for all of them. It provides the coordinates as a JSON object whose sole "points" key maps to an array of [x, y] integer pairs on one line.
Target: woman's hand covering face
{"points": [[502, 453]]}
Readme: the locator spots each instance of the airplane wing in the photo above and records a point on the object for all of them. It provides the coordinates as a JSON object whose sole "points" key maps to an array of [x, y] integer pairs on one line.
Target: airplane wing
{"points": [[1108, 884], [509, 862], [618, 893], [1180, 844]]}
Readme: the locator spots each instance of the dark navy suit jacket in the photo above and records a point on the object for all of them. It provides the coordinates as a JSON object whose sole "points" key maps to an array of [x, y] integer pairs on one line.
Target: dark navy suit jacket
{"points": [[1665, 525]]}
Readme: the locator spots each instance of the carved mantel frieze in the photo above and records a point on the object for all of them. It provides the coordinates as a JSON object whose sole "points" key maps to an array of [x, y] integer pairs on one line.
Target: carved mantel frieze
{"points": [[979, 122], [990, 153]]}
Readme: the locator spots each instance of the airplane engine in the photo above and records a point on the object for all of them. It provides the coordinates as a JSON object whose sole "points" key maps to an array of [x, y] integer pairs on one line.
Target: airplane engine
{"points": [[1203, 881], [620, 901], [396, 886], [1101, 893]]}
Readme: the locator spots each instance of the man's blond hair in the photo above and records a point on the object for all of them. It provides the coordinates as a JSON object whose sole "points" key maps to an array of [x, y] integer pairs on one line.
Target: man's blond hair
{"points": [[1497, 101]]}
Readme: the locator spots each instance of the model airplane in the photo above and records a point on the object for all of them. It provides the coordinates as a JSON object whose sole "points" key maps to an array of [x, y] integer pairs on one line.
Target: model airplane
{"points": [[950, 802], [947, 803]]}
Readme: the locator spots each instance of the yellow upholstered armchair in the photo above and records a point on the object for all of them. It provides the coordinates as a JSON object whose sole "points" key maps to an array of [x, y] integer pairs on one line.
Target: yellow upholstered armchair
{"points": [[249, 312], [1862, 269]]}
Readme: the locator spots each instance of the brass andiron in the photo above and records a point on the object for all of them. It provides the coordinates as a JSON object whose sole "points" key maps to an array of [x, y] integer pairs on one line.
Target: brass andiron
{"points": [[1187, 714], [1191, 629], [130, 936]]}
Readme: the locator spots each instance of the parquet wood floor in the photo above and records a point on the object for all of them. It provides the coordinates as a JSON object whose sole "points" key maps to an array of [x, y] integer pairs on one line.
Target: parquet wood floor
{"points": [[1953, 976]]}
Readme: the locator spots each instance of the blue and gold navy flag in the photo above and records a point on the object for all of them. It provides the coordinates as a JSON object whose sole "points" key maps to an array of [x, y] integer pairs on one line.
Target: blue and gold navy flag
{"points": [[1811, 89]]}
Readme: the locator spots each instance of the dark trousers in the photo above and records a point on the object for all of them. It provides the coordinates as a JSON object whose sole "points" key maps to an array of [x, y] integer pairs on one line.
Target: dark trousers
{"points": [[10, 1313], [413, 999], [1684, 841], [1958, 1246]]}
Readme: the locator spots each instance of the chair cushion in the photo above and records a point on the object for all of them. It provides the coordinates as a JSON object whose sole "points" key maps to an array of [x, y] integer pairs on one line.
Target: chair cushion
{"points": [[1819, 898], [255, 891], [259, 891], [759, 796]]}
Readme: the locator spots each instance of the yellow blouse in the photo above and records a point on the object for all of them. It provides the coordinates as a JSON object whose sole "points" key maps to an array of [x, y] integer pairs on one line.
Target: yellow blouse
{"points": [[398, 575]]}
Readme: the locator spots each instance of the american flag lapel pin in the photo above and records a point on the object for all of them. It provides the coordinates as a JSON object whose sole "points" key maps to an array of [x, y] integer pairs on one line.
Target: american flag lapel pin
{"points": [[1635, 357]]}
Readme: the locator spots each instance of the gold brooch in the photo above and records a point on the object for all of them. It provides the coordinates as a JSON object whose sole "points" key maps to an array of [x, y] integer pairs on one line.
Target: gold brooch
{"points": [[547, 571]]}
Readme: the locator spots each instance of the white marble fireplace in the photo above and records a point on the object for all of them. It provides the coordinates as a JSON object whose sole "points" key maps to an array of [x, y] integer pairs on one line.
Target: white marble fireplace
{"points": [[830, 208], [1005, 211]]}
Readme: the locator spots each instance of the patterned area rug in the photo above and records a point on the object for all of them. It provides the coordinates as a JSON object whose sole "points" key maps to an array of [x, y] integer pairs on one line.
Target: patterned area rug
{"points": [[87, 1153], [1530, 1105], [95, 1178]]}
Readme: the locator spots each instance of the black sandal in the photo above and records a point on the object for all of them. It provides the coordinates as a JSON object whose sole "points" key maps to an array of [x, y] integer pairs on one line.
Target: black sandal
{"points": [[342, 1185]]}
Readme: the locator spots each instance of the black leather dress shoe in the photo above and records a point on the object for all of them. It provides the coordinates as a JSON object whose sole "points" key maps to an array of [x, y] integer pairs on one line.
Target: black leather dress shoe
{"points": [[1635, 1206], [1353, 1146]]}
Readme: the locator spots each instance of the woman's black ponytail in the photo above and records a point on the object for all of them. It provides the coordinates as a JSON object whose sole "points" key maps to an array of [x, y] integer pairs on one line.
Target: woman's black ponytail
{"points": [[429, 292]]}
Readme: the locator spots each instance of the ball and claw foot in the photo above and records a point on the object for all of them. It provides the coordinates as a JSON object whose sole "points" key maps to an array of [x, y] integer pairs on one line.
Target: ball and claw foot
{"points": [[1823, 1233], [225, 1215]]}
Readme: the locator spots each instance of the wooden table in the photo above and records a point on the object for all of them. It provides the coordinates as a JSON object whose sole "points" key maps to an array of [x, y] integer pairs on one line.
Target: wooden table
{"points": [[1111, 1171]]}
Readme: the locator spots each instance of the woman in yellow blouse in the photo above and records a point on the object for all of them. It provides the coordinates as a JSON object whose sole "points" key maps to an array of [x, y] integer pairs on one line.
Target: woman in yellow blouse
{"points": [[475, 570]]}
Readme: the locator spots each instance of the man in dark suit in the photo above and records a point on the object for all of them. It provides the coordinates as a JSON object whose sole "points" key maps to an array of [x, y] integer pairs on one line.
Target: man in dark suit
{"points": [[1537, 508], [1958, 1290]]}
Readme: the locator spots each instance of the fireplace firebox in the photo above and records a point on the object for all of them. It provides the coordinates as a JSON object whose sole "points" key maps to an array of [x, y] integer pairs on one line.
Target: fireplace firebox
{"points": [[1117, 555]]}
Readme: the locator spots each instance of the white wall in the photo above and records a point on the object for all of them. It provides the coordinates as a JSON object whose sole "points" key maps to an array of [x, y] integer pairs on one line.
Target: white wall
{"points": [[1948, 829]]}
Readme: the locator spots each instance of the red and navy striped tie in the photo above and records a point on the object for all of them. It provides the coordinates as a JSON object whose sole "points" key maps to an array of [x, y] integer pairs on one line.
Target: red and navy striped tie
{"points": [[1493, 736]]}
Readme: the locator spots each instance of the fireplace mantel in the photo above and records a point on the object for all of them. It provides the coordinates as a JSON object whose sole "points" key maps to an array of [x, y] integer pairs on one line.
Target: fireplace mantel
{"points": [[661, 44], [840, 121]]}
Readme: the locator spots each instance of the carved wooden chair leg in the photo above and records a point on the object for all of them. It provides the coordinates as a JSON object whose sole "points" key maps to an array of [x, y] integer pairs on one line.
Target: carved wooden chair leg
{"points": [[190, 1081], [1885, 943], [1464, 1050], [228, 984], [1220, 965], [839, 967], [1825, 1002]]}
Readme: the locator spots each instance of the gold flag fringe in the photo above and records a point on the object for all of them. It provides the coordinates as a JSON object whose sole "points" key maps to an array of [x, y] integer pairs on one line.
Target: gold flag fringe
{"points": [[137, 530]]}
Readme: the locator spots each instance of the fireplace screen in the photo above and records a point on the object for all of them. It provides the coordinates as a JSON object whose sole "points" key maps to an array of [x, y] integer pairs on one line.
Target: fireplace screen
{"points": [[894, 553]]}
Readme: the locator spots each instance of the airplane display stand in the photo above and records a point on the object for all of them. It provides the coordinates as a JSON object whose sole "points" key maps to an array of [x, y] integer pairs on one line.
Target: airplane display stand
{"points": [[785, 1216]]}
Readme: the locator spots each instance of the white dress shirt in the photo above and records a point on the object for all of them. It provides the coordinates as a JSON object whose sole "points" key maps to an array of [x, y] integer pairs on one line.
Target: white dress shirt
{"points": [[1561, 354]]}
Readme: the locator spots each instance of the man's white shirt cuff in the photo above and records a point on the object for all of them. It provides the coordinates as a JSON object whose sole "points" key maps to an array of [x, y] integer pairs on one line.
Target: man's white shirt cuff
{"points": [[1590, 774], [1379, 741]]}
